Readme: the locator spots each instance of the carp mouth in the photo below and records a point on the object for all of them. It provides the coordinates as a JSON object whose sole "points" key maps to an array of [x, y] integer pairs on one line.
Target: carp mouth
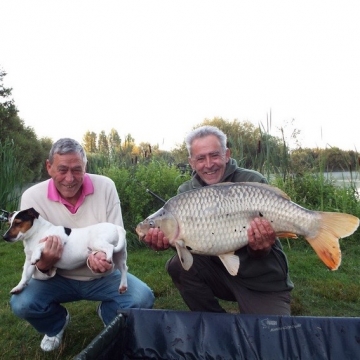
{"points": [[140, 234]]}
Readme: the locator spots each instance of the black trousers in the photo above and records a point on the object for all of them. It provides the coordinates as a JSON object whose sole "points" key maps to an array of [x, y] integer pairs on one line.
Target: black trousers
{"points": [[207, 281]]}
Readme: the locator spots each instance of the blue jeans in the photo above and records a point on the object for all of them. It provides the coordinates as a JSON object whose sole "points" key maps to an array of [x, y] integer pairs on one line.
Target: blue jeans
{"points": [[39, 303]]}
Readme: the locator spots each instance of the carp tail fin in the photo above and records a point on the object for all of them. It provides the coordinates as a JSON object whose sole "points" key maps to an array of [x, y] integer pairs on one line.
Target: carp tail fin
{"points": [[333, 226]]}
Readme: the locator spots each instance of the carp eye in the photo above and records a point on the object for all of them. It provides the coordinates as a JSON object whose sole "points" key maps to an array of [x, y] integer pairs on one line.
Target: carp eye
{"points": [[152, 223]]}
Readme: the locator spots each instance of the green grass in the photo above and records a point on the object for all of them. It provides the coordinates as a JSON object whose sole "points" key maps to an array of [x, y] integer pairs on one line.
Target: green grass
{"points": [[318, 292]]}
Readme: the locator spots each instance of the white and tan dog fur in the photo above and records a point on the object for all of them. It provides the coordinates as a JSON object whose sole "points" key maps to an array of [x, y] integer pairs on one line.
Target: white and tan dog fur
{"points": [[30, 227]]}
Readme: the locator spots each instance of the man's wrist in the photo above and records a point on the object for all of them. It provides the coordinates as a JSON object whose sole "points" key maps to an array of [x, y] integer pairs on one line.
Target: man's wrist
{"points": [[44, 271]]}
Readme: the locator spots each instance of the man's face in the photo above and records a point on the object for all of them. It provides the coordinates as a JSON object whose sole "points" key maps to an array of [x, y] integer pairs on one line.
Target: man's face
{"points": [[208, 159], [67, 171]]}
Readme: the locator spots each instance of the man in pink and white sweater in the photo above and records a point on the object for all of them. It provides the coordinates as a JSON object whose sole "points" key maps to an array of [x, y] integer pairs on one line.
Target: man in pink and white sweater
{"points": [[73, 198]]}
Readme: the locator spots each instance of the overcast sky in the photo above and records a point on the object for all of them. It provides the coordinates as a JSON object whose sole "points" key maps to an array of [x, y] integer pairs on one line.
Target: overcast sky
{"points": [[156, 68]]}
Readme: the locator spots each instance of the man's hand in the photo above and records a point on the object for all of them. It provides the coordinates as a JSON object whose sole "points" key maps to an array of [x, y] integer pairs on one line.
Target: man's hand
{"points": [[261, 236], [97, 262], [51, 254], [156, 239]]}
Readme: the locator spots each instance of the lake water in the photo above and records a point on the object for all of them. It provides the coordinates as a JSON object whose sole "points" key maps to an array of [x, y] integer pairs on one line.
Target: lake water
{"points": [[345, 178]]}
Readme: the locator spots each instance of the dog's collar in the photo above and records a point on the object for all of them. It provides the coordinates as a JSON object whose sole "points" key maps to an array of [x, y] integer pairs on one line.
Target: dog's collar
{"points": [[67, 231]]}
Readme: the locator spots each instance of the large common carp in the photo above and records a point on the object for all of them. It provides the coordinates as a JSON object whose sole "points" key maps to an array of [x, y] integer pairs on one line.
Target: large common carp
{"points": [[213, 220]]}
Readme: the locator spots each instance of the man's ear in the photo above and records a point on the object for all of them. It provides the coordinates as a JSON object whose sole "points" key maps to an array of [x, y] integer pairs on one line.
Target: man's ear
{"points": [[48, 166], [227, 154], [191, 163]]}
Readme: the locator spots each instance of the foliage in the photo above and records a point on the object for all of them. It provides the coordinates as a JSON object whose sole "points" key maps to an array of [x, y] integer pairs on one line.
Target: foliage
{"points": [[319, 193], [180, 154], [11, 179], [103, 145], [114, 144], [97, 161], [89, 142], [132, 184], [28, 150], [46, 144], [7, 106], [253, 147], [330, 159]]}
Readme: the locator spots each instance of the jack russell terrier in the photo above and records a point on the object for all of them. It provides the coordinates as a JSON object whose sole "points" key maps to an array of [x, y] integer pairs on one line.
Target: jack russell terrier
{"points": [[30, 227]]}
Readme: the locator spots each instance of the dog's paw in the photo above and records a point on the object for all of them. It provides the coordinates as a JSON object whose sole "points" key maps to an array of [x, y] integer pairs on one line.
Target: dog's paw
{"points": [[122, 289], [17, 289]]}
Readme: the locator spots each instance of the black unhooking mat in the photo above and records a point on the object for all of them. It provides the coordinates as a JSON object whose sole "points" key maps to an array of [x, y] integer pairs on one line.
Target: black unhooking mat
{"points": [[162, 334]]}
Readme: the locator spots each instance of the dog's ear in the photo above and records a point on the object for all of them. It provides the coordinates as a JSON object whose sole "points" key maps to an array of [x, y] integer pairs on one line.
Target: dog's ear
{"points": [[33, 213], [11, 216]]}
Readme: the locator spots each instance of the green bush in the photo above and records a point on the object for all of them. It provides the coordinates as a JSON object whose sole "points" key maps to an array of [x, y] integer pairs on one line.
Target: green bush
{"points": [[315, 192], [132, 184]]}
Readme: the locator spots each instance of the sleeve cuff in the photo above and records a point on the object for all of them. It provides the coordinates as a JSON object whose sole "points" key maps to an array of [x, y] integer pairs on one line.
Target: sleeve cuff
{"points": [[39, 275]]}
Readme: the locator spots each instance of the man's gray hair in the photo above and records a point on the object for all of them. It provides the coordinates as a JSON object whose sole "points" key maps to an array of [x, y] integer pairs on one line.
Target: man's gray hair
{"points": [[67, 146], [203, 131]]}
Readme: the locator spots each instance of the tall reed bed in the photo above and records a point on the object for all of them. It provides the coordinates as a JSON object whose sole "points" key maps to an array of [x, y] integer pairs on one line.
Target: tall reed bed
{"points": [[11, 177]]}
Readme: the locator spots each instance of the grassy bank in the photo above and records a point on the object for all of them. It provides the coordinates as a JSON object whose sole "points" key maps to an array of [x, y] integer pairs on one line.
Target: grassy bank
{"points": [[318, 292]]}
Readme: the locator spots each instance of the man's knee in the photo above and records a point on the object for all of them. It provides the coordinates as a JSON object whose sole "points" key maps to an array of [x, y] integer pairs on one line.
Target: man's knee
{"points": [[144, 300], [19, 306]]}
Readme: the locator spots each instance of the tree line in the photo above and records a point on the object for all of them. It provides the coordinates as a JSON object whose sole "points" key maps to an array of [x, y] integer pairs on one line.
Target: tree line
{"points": [[252, 146]]}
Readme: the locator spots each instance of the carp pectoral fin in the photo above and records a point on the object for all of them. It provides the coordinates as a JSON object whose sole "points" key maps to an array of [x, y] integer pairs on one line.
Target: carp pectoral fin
{"points": [[184, 254], [231, 263], [284, 234]]}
